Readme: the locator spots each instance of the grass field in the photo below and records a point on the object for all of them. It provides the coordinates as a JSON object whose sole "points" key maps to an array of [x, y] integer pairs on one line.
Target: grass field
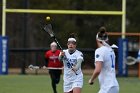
{"points": [[41, 84]]}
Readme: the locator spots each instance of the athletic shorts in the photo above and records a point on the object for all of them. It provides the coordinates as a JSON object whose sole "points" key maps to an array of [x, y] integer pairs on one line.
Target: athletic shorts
{"points": [[114, 89], [69, 86]]}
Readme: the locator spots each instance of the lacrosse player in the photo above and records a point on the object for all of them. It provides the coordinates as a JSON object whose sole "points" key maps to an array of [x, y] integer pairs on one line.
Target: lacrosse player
{"points": [[72, 60], [104, 65], [52, 61]]}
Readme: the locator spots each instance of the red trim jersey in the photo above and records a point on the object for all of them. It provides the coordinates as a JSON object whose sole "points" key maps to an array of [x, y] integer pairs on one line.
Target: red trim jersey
{"points": [[52, 58]]}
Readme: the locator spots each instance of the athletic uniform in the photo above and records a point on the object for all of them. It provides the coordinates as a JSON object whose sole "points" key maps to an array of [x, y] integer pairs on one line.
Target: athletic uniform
{"points": [[107, 77], [53, 62], [71, 80], [52, 58]]}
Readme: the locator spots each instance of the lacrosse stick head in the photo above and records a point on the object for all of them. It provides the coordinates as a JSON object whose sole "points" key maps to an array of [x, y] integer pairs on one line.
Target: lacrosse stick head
{"points": [[48, 29], [130, 60], [30, 67]]}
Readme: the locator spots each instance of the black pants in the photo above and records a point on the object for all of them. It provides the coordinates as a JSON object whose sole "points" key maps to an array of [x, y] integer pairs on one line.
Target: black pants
{"points": [[55, 78]]}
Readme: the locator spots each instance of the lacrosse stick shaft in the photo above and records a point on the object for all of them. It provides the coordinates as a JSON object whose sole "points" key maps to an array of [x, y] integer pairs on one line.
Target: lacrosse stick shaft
{"points": [[58, 43]]}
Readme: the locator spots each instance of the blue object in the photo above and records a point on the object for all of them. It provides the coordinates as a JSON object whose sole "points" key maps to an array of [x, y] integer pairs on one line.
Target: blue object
{"points": [[138, 55], [122, 54], [3, 55]]}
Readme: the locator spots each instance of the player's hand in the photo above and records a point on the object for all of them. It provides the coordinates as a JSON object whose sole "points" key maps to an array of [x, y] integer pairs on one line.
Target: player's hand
{"points": [[62, 54], [91, 82], [74, 68]]}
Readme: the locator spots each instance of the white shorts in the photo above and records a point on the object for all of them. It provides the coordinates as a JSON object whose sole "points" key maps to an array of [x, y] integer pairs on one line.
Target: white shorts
{"points": [[69, 86], [114, 89]]}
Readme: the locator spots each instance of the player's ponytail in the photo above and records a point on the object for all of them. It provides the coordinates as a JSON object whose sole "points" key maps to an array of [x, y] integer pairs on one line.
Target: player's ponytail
{"points": [[72, 35], [102, 34]]}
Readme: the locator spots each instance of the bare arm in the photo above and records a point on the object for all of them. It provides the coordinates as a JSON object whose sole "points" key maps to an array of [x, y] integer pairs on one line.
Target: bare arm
{"points": [[96, 72]]}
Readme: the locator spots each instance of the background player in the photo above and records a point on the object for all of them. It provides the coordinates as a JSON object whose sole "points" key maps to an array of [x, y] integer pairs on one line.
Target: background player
{"points": [[52, 61], [72, 60], [104, 65]]}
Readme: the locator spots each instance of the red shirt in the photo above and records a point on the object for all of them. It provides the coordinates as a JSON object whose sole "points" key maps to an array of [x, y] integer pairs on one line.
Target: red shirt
{"points": [[52, 58]]}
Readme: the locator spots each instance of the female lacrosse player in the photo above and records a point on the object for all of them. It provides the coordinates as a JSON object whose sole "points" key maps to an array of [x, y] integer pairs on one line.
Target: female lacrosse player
{"points": [[52, 61], [104, 65], [72, 59]]}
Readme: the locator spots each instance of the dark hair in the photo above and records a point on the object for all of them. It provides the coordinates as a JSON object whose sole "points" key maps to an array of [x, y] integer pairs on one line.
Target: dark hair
{"points": [[72, 35], [102, 34]]}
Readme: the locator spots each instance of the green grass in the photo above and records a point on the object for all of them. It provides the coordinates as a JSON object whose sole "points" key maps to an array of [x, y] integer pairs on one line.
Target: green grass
{"points": [[41, 84]]}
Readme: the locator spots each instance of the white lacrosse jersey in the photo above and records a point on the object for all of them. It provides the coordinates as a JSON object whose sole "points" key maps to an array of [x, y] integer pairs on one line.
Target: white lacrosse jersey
{"points": [[138, 55], [69, 61], [107, 76]]}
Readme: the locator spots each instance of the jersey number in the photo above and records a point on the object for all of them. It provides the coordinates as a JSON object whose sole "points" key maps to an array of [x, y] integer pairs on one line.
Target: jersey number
{"points": [[69, 65], [112, 60]]}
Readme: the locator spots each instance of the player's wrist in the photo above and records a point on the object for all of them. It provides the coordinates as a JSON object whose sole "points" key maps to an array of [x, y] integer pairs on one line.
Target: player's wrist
{"points": [[62, 54], [91, 81]]}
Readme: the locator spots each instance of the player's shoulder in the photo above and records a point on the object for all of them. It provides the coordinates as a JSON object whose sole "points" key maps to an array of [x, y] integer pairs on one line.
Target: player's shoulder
{"points": [[49, 51], [101, 49], [79, 52]]}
